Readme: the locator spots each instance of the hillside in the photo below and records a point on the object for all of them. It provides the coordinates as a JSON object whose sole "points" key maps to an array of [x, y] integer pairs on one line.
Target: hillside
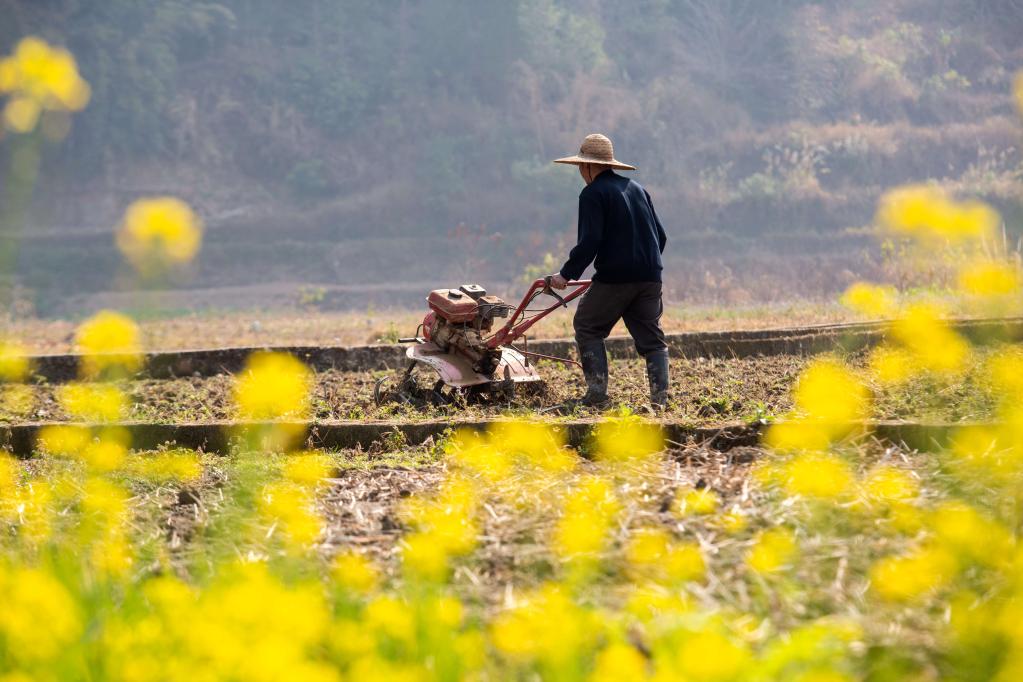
{"points": [[377, 149]]}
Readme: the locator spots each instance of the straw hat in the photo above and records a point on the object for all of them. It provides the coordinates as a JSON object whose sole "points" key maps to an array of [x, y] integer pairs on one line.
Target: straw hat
{"points": [[596, 148]]}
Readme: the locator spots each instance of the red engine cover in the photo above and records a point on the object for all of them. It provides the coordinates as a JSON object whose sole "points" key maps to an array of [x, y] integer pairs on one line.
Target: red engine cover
{"points": [[453, 305]]}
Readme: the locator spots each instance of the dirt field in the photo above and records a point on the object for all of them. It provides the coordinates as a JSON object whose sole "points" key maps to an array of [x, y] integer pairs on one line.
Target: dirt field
{"points": [[310, 327], [704, 391]]}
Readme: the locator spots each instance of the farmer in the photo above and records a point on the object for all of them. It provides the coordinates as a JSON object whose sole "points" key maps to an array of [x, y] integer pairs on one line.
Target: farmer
{"points": [[620, 234]]}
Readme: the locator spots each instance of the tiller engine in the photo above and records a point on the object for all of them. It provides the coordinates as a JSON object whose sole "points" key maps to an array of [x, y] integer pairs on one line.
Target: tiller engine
{"points": [[457, 340]]}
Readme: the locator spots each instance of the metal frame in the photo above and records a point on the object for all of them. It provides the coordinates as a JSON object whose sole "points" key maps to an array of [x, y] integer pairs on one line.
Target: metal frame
{"points": [[516, 326]]}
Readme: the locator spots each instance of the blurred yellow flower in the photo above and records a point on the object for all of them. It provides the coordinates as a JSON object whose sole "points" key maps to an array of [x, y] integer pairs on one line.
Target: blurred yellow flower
{"points": [[307, 468], [62, 440], [929, 339], [710, 656], [870, 299], [963, 529], [890, 365], [584, 526], [989, 278], [104, 455], [273, 386], [423, 556], [14, 362], [829, 402], [772, 550], [926, 212], [619, 661], [827, 391], [476, 452], [39, 76], [627, 439], [890, 484], [817, 475], [109, 343], [734, 522], [391, 618], [698, 501], [159, 232], [541, 445], [21, 114], [546, 627], [913, 575], [171, 466], [355, 572], [292, 508], [93, 402], [651, 554], [448, 517], [39, 616]]}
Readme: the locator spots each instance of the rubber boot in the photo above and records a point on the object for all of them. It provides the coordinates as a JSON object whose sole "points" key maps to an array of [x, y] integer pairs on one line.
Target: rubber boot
{"points": [[657, 374], [593, 358]]}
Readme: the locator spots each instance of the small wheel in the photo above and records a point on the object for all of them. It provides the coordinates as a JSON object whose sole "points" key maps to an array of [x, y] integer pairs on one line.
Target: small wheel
{"points": [[381, 393]]}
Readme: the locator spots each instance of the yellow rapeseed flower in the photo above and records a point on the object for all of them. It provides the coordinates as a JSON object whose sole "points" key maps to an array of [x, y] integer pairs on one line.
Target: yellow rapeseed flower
{"points": [[14, 362], [39, 617], [627, 439], [391, 618], [39, 76], [355, 572], [292, 508], [817, 475], [109, 343], [478, 453], [871, 299], [772, 550], [307, 468], [93, 402], [698, 501], [989, 278], [926, 212], [62, 440], [889, 365], [973, 535], [448, 517], [734, 522], [913, 575], [273, 386], [104, 455], [159, 232], [829, 400], [546, 627], [619, 661], [929, 339], [425, 556], [173, 465], [890, 484], [652, 555], [710, 656], [828, 391], [539, 444], [589, 512]]}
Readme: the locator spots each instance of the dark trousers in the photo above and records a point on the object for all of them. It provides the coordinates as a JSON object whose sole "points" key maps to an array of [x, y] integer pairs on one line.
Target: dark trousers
{"points": [[638, 303]]}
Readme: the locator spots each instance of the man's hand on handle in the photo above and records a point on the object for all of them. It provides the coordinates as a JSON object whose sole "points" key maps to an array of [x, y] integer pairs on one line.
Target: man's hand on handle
{"points": [[558, 282]]}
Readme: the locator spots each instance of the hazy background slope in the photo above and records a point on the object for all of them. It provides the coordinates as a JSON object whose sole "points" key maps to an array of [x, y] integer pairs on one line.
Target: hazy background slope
{"points": [[362, 152]]}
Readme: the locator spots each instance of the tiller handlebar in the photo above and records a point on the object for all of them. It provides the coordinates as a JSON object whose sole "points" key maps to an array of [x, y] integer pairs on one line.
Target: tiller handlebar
{"points": [[518, 323]]}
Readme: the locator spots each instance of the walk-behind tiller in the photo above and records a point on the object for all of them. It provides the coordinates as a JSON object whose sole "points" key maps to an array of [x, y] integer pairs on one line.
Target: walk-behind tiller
{"points": [[456, 340]]}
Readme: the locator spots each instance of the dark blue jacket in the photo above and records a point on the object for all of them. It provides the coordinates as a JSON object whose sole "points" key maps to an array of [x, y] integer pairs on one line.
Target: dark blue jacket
{"points": [[618, 232]]}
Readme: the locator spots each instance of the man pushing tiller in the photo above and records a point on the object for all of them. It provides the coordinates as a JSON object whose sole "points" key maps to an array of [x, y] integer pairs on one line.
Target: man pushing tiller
{"points": [[619, 232]]}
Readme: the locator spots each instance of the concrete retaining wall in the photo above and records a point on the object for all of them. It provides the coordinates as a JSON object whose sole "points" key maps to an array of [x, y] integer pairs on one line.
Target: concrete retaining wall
{"points": [[788, 341]]}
